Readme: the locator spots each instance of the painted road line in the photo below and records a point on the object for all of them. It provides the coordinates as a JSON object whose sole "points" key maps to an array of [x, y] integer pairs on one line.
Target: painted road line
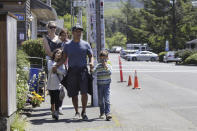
{"points": [[154, 71], [184, 107], [172, 65]]}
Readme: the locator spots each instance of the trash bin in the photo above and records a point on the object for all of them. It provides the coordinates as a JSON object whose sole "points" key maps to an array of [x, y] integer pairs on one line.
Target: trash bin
{"points": [[33, 79]]}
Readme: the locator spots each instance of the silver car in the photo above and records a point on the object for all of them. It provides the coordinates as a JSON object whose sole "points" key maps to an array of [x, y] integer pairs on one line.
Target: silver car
{"points": [[170, 57], [143, 56]]}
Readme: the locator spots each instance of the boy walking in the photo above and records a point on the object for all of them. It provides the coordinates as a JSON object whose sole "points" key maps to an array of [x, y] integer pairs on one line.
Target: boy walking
{"points": [[103, 70]]}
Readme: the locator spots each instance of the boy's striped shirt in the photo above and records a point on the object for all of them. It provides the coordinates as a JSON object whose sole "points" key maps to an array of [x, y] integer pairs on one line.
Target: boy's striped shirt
{"points": [[103, 75]]}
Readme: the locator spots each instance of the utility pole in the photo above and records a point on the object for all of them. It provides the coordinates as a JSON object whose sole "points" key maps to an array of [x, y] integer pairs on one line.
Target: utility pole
{"points": [[174, 43], [49, 3], [98, 28], [96, 35], [71, 12]]}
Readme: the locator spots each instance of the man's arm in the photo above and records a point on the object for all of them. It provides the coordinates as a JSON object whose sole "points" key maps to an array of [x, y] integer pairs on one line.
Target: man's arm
{"points": [[91, 61]]}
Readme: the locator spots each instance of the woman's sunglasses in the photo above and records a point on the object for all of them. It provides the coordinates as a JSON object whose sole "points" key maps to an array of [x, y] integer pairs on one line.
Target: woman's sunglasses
{"points": [[52, 27]]}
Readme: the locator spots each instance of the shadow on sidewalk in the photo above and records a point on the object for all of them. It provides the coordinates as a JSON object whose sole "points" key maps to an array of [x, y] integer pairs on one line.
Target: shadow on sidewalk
{"points": [[64, 108], [41, 116], [50, 120]]}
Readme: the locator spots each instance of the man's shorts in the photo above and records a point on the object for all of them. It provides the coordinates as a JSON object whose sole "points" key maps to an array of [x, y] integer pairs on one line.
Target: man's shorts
{"points": [[77, 80]]}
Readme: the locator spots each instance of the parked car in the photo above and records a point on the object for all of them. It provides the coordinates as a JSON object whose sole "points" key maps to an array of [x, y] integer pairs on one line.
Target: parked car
{"points": [[123, 53], [142, 56], [170, 57], [115, 49], [127, 53], [118, 49]]}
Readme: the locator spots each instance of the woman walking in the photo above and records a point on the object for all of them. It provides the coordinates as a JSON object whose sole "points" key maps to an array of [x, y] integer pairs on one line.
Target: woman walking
{"points": [[51, 41]]}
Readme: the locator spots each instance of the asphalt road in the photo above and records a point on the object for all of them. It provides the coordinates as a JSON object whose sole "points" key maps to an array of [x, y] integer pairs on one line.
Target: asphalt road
{"points": [[167, 100]]}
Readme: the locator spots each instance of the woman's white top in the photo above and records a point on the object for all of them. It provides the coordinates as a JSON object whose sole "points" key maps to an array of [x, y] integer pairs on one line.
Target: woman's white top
{"points": [[53, 80]]}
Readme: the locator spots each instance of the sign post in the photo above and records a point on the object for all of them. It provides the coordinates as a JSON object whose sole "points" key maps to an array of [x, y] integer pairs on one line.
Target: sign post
{"points": [[167, 46]]}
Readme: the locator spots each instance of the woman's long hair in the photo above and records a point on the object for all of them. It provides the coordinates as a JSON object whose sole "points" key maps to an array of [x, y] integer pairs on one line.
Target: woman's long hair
{"points": [[54, 52]]}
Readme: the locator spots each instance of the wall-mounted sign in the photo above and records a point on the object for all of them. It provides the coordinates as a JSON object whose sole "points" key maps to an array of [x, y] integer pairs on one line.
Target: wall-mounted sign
{"points": [[20, 16], [21, 36], [79, 3]]}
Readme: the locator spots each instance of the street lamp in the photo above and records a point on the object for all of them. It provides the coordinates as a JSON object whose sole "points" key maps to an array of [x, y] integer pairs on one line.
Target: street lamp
{"points": [[30, 18]]}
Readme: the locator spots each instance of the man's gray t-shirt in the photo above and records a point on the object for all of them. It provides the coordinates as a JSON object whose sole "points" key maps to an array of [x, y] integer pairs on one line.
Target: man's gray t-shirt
{"points": [[77, 53]]}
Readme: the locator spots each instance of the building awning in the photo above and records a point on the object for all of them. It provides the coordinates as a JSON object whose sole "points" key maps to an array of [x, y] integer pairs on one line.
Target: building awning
{"points": [[192, 42], [12, 0], [43, 11]]}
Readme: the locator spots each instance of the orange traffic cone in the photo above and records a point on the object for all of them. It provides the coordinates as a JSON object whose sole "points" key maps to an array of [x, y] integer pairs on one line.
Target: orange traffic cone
{"points": [[136, 86], [129, 82]]}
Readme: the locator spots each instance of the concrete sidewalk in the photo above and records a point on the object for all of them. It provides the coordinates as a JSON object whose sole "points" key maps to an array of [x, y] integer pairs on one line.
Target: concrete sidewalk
{"points": [[41, 120]]}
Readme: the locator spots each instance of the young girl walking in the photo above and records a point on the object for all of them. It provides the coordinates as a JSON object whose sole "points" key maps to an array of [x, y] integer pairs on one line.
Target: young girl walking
{"points": [[53, 84]]}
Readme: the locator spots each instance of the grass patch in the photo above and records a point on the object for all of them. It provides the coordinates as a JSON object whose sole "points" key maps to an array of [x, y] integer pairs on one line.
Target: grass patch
{"points": [[19, 123]]}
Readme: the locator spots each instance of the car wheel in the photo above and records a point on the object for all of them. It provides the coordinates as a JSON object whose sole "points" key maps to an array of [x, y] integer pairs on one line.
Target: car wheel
{"points": [[134, 59], [152, 59]]}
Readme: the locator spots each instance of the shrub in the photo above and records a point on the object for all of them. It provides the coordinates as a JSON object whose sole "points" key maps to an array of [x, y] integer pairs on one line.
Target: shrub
{"points": [[22, 78], [184, 54], [161, 55], [191, 59], [34, 48], [19, 123]]}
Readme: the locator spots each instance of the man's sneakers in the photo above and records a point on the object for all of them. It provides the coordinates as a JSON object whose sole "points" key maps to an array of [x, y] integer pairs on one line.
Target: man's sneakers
{"points": [[84, 116], [60, 111], [102, 116], [77, 116], [55, 115], [108, 117]]}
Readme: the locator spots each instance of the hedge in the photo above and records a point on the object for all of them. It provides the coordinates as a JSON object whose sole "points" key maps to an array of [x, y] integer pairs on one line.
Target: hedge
{"points": [[34, 48], [192, 59], [22, 70], [161, 55], [184, 54]]}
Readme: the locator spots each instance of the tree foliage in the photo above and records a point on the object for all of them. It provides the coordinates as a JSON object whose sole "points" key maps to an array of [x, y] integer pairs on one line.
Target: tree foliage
{"points": [[67, 24], [118, 39], [154, 24], [62, 7]]}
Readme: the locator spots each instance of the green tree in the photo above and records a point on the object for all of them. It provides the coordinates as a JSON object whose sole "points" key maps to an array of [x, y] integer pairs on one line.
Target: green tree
{"points": [[62, 7], [159, 15], [67, 24], [118, 39], [155, 23], [186, 22]]}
